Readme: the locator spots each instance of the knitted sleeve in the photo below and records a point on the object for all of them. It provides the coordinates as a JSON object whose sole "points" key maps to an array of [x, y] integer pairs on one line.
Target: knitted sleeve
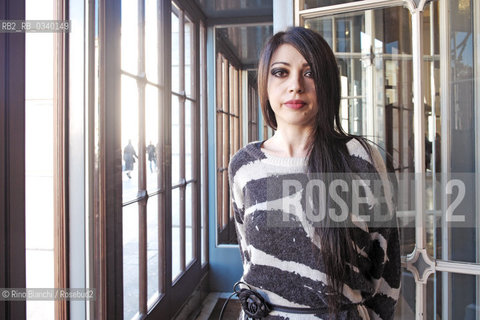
{"points": [[237, 202], [384, 255], [385, 273]]}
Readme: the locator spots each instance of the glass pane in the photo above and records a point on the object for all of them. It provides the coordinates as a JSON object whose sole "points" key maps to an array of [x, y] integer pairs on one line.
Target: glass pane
{"points": [[151, 41], [323, 26], [461, 244], [175, 140], [189, 224], [189, 58], [152, 249], [405, 308], [376, 73], [175, 53], [129, 137], [175, 233], [431, 79], [188, 141], [129, 36], [309, 4], [460, 290], [152, 121], [344, 34], [39, 159], [375, 66], [130, 261]]}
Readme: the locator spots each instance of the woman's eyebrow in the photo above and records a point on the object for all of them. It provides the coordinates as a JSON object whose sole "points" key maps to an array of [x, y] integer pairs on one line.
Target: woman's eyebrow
{"points": [[287, 64], [279, 62]]}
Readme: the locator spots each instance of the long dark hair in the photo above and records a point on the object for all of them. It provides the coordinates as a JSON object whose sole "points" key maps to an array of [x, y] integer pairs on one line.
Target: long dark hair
{"points": [[328, 151]]}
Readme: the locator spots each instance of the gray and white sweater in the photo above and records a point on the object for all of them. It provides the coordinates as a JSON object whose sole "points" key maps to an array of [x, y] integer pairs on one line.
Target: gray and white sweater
{"points": [[281, 262]]}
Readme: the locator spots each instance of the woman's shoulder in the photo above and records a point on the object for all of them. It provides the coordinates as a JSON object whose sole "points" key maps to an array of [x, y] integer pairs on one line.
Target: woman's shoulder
{"points": [[247, 154], [357, 147], [366, 151]]}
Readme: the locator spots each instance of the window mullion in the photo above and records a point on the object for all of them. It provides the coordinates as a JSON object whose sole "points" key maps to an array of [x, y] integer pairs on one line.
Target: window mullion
{"points": [[60, 165], [142, 185], [181, 50], [219, 118], [226, 140], [163, 32]]}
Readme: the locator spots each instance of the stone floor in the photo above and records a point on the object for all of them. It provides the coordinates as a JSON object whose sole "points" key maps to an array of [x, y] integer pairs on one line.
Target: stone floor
{"points": [[213, 304]]}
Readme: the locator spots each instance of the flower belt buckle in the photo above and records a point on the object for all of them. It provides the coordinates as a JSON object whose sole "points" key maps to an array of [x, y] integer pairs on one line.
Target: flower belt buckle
{"points": [[253, 304]]}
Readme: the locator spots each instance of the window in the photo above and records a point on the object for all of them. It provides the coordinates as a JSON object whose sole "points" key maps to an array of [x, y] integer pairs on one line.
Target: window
{"points": [[253, 109], [151, 101], [185, 109], [428, 105], [229, 140], [140, 136]]}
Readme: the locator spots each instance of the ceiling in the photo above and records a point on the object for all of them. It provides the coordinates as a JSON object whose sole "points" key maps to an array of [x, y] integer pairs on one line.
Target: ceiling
{"points": [[242, 26], [245, 42], [235, 8]]}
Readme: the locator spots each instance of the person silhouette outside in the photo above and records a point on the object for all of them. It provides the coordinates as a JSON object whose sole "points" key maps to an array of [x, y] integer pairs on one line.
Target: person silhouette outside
{"points": [[129, 156], [152, 156]]}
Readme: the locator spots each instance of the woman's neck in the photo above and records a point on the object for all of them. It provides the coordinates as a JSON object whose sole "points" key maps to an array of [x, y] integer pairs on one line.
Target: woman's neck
{"points": [[289, 142]]}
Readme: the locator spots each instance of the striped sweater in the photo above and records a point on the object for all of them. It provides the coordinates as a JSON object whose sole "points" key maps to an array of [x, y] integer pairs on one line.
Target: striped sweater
{"points": [[282, 263]]}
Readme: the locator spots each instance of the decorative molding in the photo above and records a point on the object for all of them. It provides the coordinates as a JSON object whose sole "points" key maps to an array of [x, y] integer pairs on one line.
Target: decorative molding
{"points": [[420, 265]]}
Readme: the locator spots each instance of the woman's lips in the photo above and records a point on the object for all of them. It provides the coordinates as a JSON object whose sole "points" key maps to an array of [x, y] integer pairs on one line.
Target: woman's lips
{"points": [[295, 104]]}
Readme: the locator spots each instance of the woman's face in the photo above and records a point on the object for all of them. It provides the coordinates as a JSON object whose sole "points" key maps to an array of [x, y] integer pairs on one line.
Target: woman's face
{"points": [[291, 88]]}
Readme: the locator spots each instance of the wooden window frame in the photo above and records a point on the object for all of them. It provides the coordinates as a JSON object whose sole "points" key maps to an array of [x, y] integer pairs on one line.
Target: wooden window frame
{"points": [[12, 160], [193, 99], [61, 172]]}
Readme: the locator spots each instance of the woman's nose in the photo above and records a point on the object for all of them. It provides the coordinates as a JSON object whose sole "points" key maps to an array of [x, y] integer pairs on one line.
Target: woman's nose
{"points": [[296, 84]]}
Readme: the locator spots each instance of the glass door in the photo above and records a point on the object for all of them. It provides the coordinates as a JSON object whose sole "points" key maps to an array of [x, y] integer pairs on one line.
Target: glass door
{"points": [[408, 77]]}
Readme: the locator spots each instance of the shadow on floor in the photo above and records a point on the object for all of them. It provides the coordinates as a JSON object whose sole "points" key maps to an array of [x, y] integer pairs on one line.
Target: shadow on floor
{"points": [[232, 311]]}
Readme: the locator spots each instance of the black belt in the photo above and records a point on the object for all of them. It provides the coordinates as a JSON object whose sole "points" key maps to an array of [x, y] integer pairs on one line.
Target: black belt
{"points": [[255, 306]]}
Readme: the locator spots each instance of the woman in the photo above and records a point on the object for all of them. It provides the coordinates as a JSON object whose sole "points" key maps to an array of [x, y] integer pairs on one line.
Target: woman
{"points": [[306, 269]]}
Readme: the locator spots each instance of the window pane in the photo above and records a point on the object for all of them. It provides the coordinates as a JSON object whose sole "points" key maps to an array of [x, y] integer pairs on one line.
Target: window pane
{"points": [[129, 34], [343, 28], [322, 26], [152, 121], [175, 140], [130, 261], [461, 289], [431, 80], [175, 53], [39, 159], [383, 81], [405, 308], [175, 233], [462, 135], [189, 223], [151, 41], [152, 248], [188, 140], [129, 137], [189, 54]]}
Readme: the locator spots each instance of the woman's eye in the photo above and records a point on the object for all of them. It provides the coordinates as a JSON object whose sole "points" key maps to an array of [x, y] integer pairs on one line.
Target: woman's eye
{"points": [[278, 73], [309, 74]]}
